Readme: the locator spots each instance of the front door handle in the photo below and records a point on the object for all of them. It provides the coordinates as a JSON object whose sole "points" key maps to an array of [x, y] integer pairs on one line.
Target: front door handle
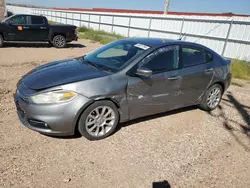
{"points": [[209, 70], [174, 78], [25, 27], [43, 28]]}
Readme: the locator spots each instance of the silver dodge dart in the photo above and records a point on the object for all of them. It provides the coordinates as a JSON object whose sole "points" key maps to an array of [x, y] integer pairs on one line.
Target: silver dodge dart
{"points": [[121, 81]]}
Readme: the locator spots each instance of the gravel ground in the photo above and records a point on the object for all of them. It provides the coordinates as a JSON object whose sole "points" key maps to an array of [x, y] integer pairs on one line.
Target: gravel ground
{"points": [[186, 148]]}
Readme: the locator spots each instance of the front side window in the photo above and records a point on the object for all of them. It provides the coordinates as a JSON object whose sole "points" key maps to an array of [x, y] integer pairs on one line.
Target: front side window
{"points": [[19, 20], [37, 20], [192, 56], [116, 55], [163, 59]]}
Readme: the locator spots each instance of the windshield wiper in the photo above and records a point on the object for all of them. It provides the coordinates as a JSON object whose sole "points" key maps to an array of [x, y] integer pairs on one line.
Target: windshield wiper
{"points": [[99, 67], [93, 64]]}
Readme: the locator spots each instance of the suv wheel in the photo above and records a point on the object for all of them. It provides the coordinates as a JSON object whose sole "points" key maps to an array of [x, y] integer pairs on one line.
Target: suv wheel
{"points": [[59, 41], [99, 120], [212, 98]]}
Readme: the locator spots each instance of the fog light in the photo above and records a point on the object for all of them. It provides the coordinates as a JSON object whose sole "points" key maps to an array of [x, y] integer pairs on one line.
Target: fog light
{"points": [[38, 124]]}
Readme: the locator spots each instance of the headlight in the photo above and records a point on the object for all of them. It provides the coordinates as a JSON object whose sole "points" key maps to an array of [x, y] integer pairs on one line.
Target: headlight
{"points": [[53, 97]]}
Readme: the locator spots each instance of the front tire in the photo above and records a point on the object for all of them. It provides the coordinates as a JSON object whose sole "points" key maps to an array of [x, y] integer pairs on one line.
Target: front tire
{"points": [[59, 41], [99, 120], [1, 41], [212, 98]]}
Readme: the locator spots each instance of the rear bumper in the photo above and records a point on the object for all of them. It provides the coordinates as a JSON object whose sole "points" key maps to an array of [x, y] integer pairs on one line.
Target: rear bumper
{"points": [[228, 81], [73, 38]]}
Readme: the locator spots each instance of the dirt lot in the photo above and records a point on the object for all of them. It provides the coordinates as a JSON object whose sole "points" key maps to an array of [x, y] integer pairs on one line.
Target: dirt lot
{"points": [[186, 148]]}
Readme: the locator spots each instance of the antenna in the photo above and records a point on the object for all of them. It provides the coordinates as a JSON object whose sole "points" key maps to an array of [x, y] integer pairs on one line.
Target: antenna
{"points": [[183, 35]]}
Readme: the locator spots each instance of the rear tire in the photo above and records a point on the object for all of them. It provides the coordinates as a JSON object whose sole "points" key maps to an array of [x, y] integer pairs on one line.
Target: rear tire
{"points": [[99, 120], [59, 41], [1, 41], [212, 98]]}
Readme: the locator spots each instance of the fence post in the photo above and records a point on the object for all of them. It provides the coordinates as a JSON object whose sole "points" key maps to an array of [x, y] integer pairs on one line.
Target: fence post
{"points": [[66, 17], [61, 16], [129, 23], [113, 20], [100, 18], [182, 26], [149, 26], [227, 37], [89, 22]]}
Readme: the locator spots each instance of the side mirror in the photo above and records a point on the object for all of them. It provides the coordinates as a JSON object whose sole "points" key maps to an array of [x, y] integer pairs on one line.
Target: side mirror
{"points": [[144, 72], [8, 22]]}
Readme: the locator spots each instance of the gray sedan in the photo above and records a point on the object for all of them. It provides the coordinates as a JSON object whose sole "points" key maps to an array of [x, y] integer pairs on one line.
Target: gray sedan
{"points": [[121, 81]]}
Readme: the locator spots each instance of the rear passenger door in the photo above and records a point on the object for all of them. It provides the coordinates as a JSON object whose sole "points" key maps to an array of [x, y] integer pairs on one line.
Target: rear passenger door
{"points": [[38, 28], [197, 72]]}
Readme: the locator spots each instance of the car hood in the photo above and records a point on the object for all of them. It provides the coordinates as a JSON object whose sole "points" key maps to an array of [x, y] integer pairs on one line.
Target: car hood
{"points": [[60, 72]]}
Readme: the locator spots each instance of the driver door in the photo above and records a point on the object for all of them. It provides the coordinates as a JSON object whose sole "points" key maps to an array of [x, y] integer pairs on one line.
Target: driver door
{"points": [[17, 28], [161, 91]]}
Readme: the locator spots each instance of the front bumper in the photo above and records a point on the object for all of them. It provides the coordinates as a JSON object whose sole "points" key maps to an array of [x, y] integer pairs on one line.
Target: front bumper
{"points": [[54, 119]]}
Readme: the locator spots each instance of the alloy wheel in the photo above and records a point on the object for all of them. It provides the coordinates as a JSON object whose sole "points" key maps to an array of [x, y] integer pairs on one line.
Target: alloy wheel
{"points": [[214, 97], [59, 41], [100, 121]]}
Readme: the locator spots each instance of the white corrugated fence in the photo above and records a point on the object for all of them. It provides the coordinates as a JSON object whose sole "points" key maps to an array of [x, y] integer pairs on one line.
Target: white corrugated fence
{"points": [[229, 36]]}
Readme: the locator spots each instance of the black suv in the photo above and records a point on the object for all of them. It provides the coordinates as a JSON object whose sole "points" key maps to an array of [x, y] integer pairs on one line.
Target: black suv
{"points": [[33, 28]]}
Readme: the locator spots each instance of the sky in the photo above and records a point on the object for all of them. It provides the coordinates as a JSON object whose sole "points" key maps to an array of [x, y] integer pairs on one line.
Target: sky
{"points": [[208, 6]]}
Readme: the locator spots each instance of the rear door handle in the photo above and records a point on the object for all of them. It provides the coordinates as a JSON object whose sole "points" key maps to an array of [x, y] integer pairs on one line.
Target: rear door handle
{"points": [[174, 78], [26, 27], [43, 28], [209, 70]]}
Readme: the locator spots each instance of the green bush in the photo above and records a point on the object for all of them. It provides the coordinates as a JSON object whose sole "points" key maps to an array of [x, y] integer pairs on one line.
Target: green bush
{"points": [[9, 13], [51, 22], [83, 29], [241, 69], [99, 36]]}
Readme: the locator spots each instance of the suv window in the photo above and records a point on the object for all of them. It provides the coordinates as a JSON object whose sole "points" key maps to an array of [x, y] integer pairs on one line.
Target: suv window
{"points": [[192, 56], [163, 59], [37, 20], [19, 20]]}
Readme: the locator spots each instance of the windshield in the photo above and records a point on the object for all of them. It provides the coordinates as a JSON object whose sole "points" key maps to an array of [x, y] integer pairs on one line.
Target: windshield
{"points": [[6, 19], [115, 56]]}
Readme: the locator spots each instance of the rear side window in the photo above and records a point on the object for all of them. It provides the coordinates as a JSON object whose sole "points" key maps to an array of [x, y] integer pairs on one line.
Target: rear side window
{"points": [[163, 59], [192, 56], [37, 20], [209, 57]]}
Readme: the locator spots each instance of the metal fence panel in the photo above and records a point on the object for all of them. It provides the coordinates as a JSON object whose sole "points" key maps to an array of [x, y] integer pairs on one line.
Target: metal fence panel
{"points": [[228, 37]]}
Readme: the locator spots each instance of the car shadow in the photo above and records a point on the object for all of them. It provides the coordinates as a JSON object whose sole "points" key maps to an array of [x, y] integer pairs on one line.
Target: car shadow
{"points": [[231, 101], [163, 184], [38, 45], [132, 122], [75, 136], [156, 116]]}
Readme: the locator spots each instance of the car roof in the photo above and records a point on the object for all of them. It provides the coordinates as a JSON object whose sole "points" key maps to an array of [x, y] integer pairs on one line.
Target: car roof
{"points": [[157, 42], [28, 15]]}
